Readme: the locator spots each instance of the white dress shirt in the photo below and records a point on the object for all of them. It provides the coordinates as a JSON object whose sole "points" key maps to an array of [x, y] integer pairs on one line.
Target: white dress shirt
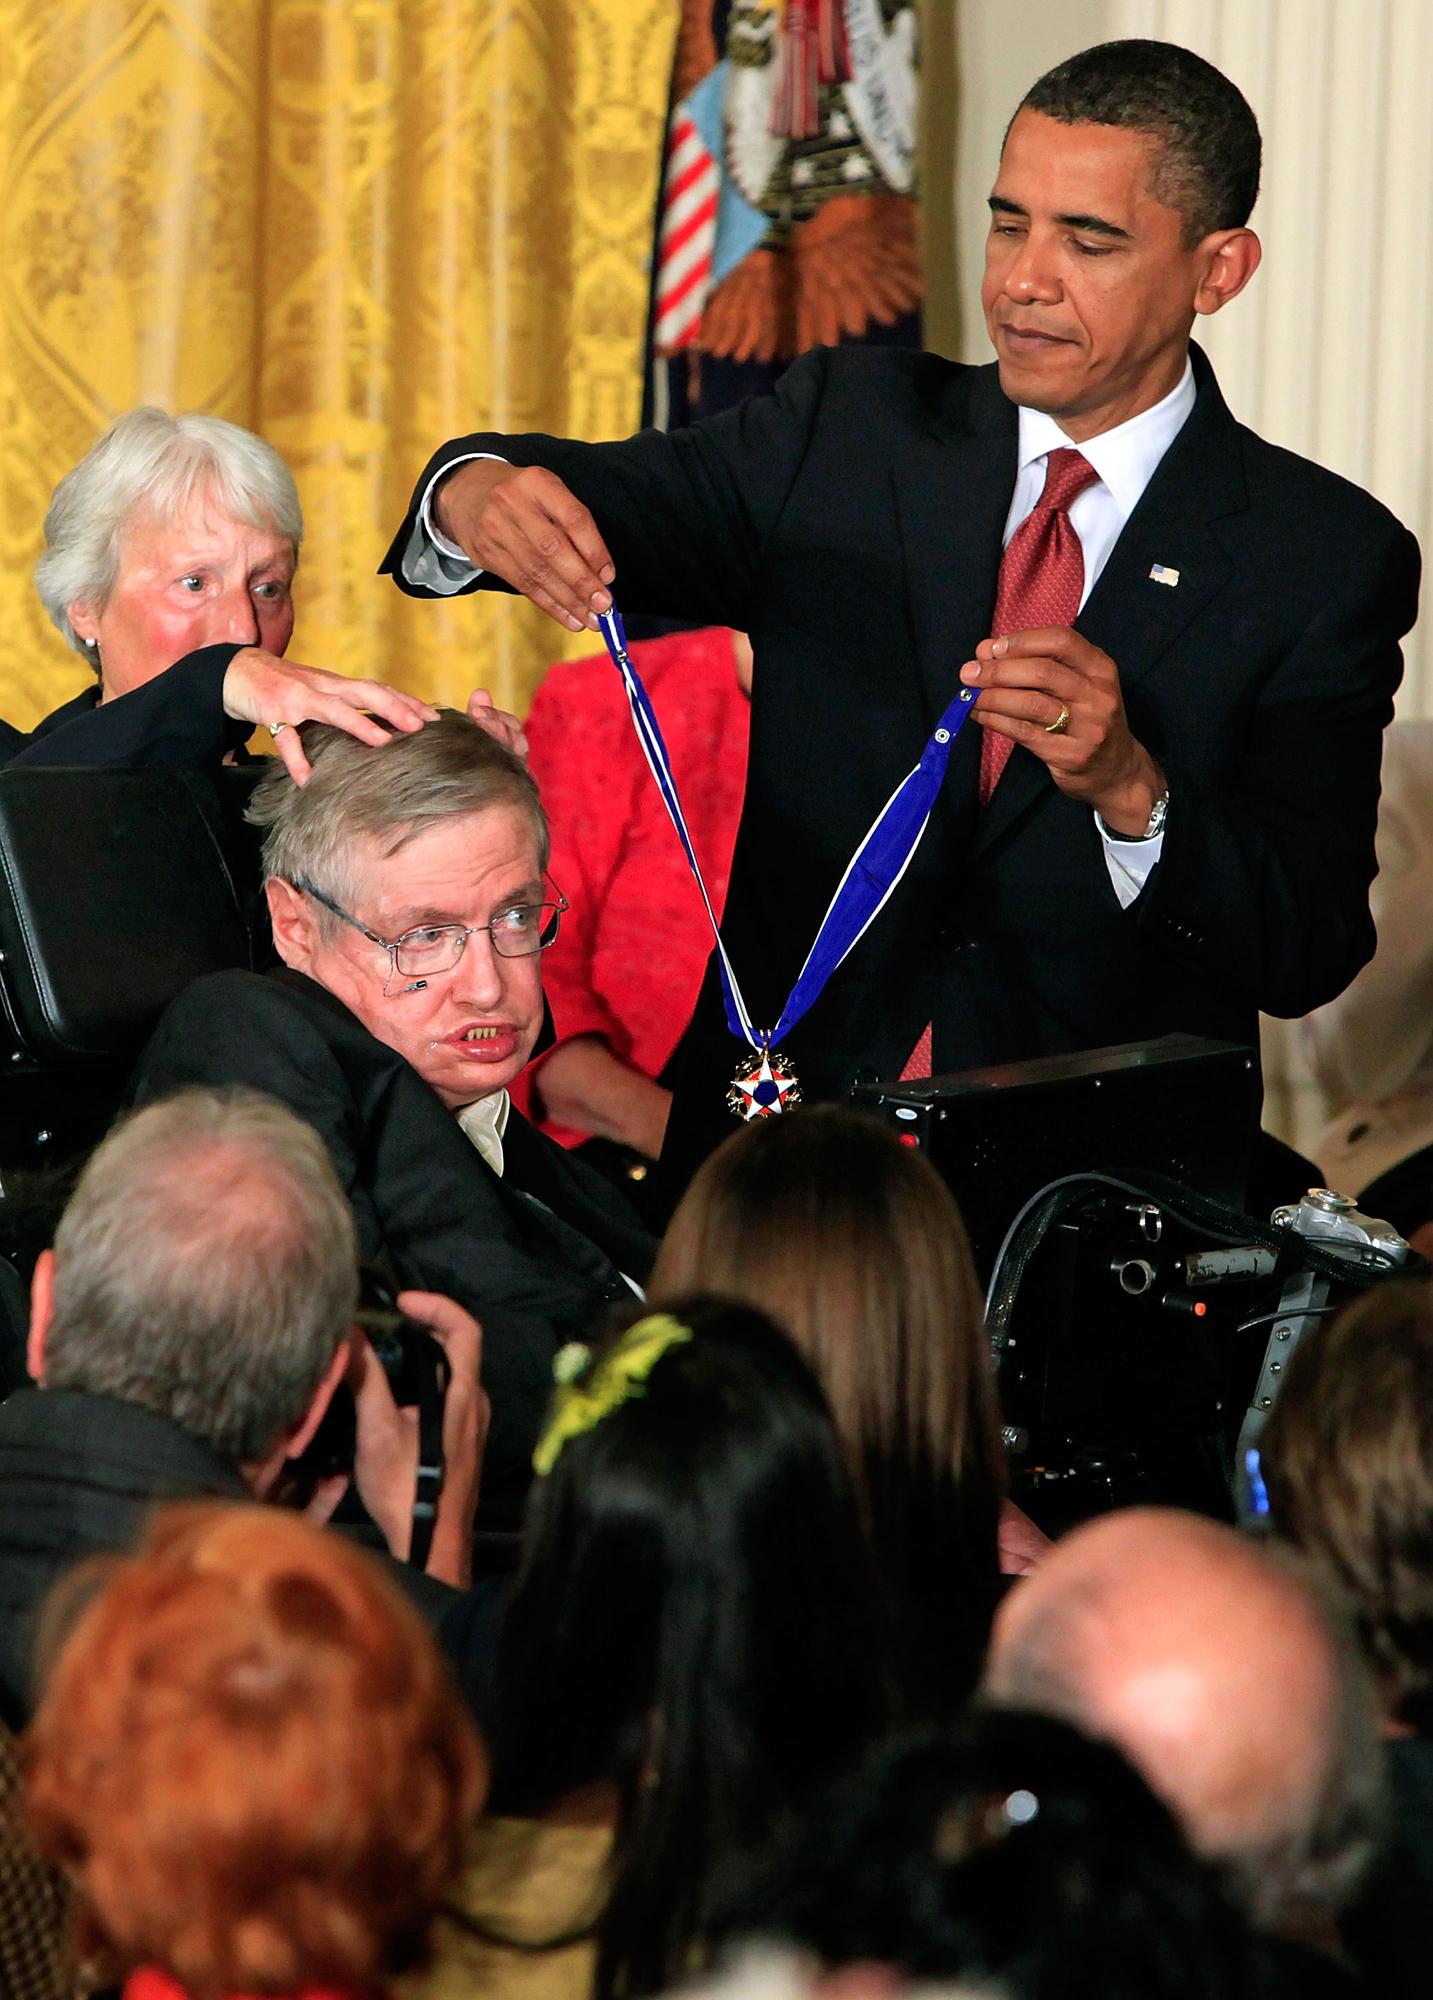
{"points": [[1125, 459], [485, 1121]]}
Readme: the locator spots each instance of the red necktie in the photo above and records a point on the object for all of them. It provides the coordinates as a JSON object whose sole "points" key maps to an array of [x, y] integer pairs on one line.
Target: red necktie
{"points": [[1042, 578]]}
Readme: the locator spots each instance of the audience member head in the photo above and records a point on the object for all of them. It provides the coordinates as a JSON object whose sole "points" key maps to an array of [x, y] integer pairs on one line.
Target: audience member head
{"points": [[170, 534], [1348, 1463], [409, 879], [249, 1758], [1225, 1681], [205, 1268], [854, 1245], [1014, 1855], [690, 1622], [1119, 212]]}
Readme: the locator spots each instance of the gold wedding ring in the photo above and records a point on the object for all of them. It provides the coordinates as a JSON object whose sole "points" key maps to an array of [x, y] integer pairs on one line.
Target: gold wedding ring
{"points": [[276, 729], [1061, 722]]}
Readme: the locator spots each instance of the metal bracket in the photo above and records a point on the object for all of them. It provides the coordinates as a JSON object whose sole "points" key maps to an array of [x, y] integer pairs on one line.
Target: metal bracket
{"points": [[1304, 1294]]}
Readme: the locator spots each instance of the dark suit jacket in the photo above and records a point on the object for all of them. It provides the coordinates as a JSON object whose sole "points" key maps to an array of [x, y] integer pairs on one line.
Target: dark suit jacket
{"points": [[177, 718], [852, 524], [80, 1475], [535, 1255]]}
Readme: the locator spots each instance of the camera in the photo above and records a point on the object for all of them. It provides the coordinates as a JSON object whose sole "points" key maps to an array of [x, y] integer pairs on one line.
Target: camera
{"points": [[416, 1366], [1141, 1321]]}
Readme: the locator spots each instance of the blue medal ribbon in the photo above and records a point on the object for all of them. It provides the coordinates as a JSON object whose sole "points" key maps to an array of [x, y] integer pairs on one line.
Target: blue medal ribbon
{"points": [[863, 891]]}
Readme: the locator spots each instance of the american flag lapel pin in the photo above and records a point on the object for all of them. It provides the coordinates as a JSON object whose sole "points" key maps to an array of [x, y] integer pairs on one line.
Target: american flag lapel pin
{"points": [[1161, 573]]}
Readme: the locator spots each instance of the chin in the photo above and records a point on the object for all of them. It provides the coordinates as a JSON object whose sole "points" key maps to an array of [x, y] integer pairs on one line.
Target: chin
{"points": [[1039, 385]]}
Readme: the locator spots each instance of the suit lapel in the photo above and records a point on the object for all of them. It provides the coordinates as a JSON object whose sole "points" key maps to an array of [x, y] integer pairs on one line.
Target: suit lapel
{"points": [[953, 487], [1130, 614]]}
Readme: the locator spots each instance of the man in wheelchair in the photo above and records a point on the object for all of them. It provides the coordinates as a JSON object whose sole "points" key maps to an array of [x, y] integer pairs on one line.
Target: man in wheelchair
{"points": [[407, 891]]}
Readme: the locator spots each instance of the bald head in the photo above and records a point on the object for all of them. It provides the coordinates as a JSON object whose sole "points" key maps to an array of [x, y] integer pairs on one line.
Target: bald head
{"points": [[1217, 1673]]}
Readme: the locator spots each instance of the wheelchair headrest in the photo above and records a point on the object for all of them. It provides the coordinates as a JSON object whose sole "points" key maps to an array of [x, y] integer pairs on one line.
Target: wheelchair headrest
{"points": [[117, 888]]}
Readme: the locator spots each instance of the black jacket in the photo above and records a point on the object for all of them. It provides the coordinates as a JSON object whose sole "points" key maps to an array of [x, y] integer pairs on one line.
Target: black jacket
{"points": [[80, 1475], [852, 524], [177, 718], [535, 1255]]}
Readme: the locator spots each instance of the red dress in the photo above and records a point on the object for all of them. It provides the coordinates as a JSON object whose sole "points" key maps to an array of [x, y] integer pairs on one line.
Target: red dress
{"points": [[151, 1984], [629, 960]]}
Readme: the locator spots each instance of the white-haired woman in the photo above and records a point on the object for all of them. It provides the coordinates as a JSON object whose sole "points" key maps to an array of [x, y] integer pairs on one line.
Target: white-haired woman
{"points": [[169, 562]]}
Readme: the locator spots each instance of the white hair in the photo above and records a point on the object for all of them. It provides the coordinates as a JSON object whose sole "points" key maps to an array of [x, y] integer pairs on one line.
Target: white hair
{"points": [[164, 465]]}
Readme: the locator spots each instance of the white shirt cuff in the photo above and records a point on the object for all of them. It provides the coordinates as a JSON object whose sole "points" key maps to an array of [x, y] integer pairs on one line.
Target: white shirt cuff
{"points": [[430, 559], [1130, 862]]}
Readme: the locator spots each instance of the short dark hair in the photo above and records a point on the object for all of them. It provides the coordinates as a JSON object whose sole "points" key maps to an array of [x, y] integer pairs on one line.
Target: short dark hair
{"points": [[1209, 170], [696, 1556]]}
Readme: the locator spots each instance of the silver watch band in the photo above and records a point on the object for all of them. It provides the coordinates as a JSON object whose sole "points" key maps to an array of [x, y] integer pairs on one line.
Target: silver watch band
{"points": [[1156, 824]]}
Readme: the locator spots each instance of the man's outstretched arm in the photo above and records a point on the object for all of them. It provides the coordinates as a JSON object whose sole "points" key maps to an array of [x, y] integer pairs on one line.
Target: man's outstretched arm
{"points": [[673, 524]]}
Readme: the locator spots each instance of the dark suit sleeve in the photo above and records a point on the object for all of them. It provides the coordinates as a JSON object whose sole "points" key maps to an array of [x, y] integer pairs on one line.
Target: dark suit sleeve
{"points": [[234, 1029], [176, 719], [687, 515], [1262, 886]]}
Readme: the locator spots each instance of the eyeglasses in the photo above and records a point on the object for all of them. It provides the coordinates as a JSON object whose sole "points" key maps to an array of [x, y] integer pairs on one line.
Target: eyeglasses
{"points": [[516, 932]]}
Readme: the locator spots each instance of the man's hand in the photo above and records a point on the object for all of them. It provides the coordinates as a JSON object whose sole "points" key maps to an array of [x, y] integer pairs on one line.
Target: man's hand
{"points": [[523, 525], [506, 728], [583, 1084], [1021, 1545], [386, 1460], [261, 688], [1027, 678]]}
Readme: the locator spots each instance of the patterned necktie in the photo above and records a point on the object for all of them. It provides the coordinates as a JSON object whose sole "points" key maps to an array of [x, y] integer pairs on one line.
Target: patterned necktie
{"points": [[1042, 578]]}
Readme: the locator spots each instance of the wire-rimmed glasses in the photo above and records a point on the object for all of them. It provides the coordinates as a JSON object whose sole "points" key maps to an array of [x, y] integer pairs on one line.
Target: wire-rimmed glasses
{"points": [[428, 949]]}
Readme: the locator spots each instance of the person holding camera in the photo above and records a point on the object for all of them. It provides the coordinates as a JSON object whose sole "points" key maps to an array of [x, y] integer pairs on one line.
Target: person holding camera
{"points": [[189, 1332], [408, 889]]}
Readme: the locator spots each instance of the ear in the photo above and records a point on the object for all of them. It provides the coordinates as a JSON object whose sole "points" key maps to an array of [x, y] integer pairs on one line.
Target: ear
{"points": [[84, 622], [323, 1395], [294, 923], [1231, 257], [42, 1308], [260, 1477]]}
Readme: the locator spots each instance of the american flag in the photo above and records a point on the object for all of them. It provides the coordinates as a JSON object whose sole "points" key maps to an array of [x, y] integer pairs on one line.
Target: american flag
{"points": [[687, 236]]}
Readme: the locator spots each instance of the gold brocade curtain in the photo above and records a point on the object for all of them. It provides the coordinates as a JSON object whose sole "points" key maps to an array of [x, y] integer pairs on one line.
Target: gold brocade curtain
{"points": [[358, 227]]}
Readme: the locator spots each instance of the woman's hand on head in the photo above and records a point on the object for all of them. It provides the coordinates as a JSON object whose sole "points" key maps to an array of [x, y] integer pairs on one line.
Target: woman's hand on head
{"points": [[506, 728], [263, 689]]}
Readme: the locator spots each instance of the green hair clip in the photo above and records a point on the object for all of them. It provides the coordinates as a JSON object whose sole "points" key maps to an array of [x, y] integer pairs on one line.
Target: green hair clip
{"points": [[585, 1396]]}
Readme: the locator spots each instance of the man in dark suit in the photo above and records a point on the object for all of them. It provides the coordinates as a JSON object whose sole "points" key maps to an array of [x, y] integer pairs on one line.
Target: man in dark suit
{"points": [[1196, 640], [406, 890]]}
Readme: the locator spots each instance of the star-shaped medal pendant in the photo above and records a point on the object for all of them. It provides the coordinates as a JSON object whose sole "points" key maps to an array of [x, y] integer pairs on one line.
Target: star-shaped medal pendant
{"points": [[763, 1085]]}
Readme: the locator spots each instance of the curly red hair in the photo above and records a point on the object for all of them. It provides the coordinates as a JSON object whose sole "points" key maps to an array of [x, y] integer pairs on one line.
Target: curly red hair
{"points": [[251, 1760]]}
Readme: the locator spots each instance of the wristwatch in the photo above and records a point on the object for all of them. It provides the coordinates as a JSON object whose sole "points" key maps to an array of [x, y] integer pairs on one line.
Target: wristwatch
{"points": [[1156, 823]]}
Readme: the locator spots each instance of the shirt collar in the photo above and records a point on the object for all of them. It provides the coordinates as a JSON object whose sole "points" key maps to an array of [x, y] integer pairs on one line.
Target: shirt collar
{"points": [[485, 1122], [1125, 457]]}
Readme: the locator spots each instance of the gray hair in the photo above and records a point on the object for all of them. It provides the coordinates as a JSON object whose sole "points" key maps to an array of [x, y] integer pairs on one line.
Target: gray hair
{"points": [[388, 793], [207, 1268], [165, 465]]}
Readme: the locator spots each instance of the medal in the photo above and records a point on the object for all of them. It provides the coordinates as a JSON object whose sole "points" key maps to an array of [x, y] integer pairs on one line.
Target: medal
{"points": [[765, 1084]]}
